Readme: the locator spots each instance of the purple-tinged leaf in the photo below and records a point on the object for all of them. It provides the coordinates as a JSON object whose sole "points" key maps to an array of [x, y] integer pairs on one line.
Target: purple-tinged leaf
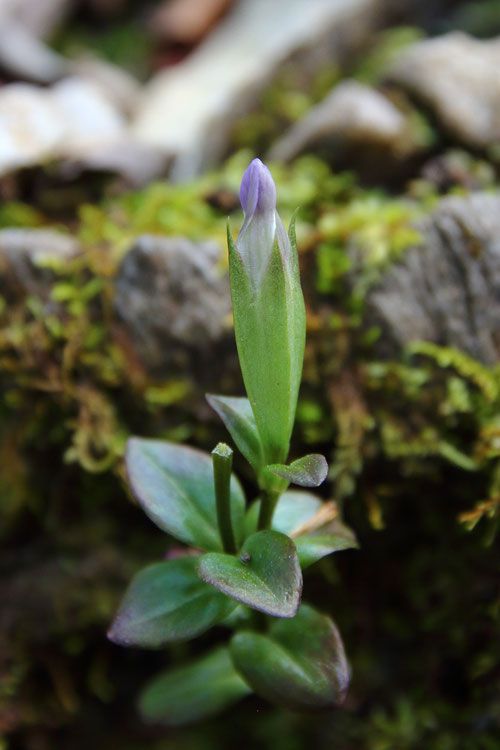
{"points": [[237, 415], [308, 471], [266, 576], [294, 509], [313, 547], [174, 484], [300, 664], [166, 603]]}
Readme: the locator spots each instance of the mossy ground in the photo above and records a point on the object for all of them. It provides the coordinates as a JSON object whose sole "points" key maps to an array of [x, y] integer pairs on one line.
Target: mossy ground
{"points": [[415, 463]]}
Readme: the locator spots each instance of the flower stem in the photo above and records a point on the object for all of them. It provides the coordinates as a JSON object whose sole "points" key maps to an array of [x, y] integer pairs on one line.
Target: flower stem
{"points": [[222, 457], [268, 500]]}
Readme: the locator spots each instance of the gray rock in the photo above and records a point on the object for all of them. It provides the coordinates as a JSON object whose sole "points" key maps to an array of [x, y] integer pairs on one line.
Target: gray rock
{"points": [[23, 259], [69, 119], [189, 110], [116, 84], [351, 113], [24, 25], [170, 295], [24, 56], [136, 163], [40, 18], [457, 76], [448, 290]]}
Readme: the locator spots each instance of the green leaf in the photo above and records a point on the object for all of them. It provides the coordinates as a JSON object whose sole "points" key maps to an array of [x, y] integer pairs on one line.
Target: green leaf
{"points": [[269, 325], [266, 576], [167, 602], [300, 664], [174, 485], [237, 415], [293, 510], [313, 547], [194, 691], [308, 471]]}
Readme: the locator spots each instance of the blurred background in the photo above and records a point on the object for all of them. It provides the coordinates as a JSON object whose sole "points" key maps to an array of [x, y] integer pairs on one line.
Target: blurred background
{"points": [[125, 128]]}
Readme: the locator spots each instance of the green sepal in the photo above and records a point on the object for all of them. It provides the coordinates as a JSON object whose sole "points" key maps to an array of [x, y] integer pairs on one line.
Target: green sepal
{"points": [[192, 692], [266, 576], [237, 415], [166, 603], [300, 664], [269, 325], [308, 471], [174, 484]]}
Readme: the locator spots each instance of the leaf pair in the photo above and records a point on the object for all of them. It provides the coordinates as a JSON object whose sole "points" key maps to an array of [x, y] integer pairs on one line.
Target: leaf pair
{"points": [[299, 664], [174, 484], [171, 601]]}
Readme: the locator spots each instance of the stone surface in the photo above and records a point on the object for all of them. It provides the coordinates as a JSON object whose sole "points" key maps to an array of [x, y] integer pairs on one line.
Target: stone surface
{"points": [[88, 116], [448, 290], [24, 56], [457, 77], [171, 294], [22, 252], [30, 126], [69, 119], [116, 84], [24, 24], [39, 17], [189, 109], [136, 163], [352, 113]]}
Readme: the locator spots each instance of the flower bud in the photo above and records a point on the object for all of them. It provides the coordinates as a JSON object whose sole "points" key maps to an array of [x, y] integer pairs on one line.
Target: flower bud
{"points": [[269, 314], [257, 235]]}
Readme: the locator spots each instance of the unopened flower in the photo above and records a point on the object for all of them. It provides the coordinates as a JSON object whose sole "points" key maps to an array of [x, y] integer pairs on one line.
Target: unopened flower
{"points": [[269, 315], [262, 227]]}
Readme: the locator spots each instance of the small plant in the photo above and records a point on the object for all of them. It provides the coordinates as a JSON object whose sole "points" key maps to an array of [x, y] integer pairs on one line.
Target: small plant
{"points": [[242, 567]]}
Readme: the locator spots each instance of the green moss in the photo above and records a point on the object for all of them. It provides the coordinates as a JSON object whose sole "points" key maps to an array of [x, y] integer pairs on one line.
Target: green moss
{"points": [[126, 45], [414, 453], [385, 48]]}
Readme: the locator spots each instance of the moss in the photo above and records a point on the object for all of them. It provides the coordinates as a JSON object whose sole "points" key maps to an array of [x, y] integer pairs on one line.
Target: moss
{"points": [[126, 45], [414, 448]]}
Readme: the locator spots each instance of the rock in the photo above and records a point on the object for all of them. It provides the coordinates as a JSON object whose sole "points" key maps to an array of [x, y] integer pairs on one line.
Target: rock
{"points": [[136, 163], [187, 21], [40, 18], [116, 84], [447, 290], [89, 117], [69, 119], [31, 128], [188, 110], [352, 113], [170, 295], [22, 256], [24, 56], [76, 123], [456, 76]]}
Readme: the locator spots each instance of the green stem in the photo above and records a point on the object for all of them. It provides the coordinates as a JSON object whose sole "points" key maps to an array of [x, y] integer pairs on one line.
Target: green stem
{"points": [[222, 457], [268, 500]]}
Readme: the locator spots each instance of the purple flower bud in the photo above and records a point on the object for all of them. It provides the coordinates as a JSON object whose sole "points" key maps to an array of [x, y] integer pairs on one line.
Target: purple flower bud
{"points": [[257, 191], [258, 234]]}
